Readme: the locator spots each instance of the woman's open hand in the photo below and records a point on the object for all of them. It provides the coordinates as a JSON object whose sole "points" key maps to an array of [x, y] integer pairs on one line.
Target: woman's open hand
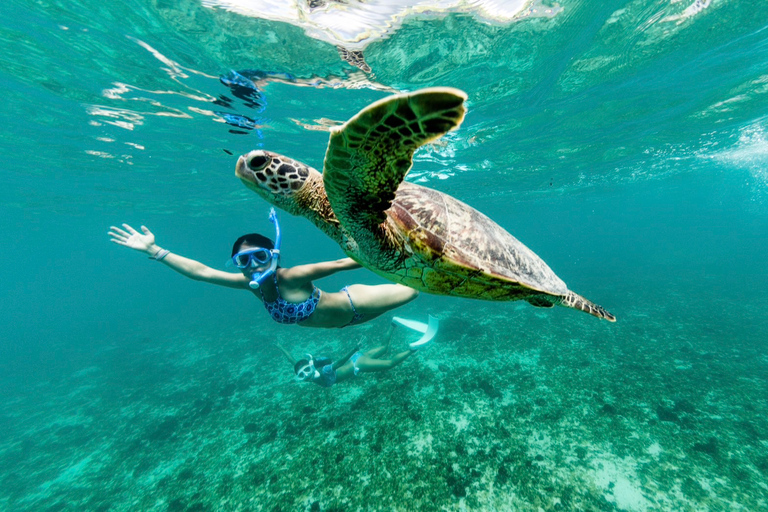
{"points": [[132, 238]]}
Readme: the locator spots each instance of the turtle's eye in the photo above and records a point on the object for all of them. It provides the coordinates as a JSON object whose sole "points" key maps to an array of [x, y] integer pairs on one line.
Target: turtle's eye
{"points": [[258, 162]]}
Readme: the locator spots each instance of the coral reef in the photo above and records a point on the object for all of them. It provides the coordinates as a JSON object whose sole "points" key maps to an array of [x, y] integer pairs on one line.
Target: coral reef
{"points": [[562, 414]]}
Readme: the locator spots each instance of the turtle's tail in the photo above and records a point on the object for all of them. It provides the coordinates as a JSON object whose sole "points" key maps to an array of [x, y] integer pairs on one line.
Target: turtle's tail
{"points": [[576, 301]]}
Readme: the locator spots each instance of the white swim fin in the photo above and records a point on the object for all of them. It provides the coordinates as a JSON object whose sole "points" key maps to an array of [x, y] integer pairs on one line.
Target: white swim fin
{"points": [[428, 331]]}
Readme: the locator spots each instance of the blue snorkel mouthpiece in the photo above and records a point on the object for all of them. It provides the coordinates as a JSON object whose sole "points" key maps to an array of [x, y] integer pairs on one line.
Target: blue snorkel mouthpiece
{"points": [[257, 278]]}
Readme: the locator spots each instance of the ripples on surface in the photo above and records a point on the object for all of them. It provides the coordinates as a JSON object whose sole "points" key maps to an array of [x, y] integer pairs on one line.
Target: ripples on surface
{"points": [[578, 97]]}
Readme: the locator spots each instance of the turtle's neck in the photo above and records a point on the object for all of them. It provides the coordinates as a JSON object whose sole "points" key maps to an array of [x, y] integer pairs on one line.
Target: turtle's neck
{"points": [[312, 202]]}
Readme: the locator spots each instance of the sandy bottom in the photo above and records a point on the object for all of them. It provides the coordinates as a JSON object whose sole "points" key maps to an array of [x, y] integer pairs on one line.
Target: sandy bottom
{"points": [[511, 408]]}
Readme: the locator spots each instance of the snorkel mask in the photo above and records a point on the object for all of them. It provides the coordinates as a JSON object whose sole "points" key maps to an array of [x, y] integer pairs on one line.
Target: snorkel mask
{"points": [[260, 256], [308, 371]]}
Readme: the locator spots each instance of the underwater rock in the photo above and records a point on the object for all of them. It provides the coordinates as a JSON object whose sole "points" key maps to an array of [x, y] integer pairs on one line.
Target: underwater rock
{"points": [[710, 447], [750, 430], [165, 429], [57, 507], [502, 475], [684, 406], [142, 467], [186, 474], [202, 408], [245, 381], [523, 409], [176, 505], [457, 484], [228, 390], [488, 389], [761, 463], [666, 414]]}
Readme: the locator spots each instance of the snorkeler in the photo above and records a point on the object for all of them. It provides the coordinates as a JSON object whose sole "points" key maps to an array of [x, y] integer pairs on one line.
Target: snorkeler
{"points": [[288, 293], [325, 372]]}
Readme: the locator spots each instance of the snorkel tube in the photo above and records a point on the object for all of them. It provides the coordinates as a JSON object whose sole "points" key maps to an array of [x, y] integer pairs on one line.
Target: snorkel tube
{"points": [[257, 278]]}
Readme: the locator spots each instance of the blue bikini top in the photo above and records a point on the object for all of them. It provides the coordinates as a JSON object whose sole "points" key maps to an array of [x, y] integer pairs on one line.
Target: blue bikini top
{"points": [[284, 312]]}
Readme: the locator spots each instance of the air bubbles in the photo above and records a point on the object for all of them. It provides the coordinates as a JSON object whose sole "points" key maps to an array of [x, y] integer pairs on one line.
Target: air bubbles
{"points": [[750, 151]]}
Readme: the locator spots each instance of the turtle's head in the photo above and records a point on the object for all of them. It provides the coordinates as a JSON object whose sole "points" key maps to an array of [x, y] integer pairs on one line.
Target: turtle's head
{"points": [[274, 177], [291, 186]]}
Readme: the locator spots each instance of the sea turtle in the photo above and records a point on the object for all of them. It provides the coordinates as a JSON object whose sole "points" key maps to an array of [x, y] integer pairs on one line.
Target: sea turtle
{"points": [[405, 232]]}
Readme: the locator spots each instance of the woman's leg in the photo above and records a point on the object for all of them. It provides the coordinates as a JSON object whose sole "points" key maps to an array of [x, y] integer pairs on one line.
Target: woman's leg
{"points": [[369, 364], [372, 301], [376, 353], [345, 371]]}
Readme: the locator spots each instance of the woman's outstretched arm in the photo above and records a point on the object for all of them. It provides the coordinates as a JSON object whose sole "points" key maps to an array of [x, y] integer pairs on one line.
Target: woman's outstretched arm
{"points": [[287, 355], [145, 242], [302, 273]]}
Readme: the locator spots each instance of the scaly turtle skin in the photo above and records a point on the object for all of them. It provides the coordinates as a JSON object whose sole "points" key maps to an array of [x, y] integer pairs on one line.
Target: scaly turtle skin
{"points": [[404, 232]]}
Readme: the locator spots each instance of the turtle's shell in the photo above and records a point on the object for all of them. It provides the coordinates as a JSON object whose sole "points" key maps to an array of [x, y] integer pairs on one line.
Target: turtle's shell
{"points": [[412, 234], [451, 248]]}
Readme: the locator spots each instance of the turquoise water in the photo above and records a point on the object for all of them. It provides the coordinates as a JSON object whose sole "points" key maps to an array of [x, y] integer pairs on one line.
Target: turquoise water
{"points": [[624, 142]]}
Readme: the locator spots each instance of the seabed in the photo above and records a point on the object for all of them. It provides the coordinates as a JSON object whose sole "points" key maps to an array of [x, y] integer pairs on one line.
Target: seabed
{"points": [[512, 409]]}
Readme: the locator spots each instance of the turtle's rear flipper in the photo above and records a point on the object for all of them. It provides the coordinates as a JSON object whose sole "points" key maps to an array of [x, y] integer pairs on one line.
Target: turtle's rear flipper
{"points": [[576, 301]]}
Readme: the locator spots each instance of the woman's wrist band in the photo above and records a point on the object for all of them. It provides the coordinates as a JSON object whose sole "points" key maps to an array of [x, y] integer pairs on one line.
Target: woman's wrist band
{"points": [[160, 254]]}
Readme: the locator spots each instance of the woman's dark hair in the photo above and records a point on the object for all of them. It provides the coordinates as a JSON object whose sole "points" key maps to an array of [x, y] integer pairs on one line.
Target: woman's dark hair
{"points": [[301, 363], [254, 240]]}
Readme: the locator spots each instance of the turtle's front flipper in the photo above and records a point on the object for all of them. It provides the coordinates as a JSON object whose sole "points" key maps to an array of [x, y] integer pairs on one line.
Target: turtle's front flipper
{"points": [[369, 155], [576, 301]]}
